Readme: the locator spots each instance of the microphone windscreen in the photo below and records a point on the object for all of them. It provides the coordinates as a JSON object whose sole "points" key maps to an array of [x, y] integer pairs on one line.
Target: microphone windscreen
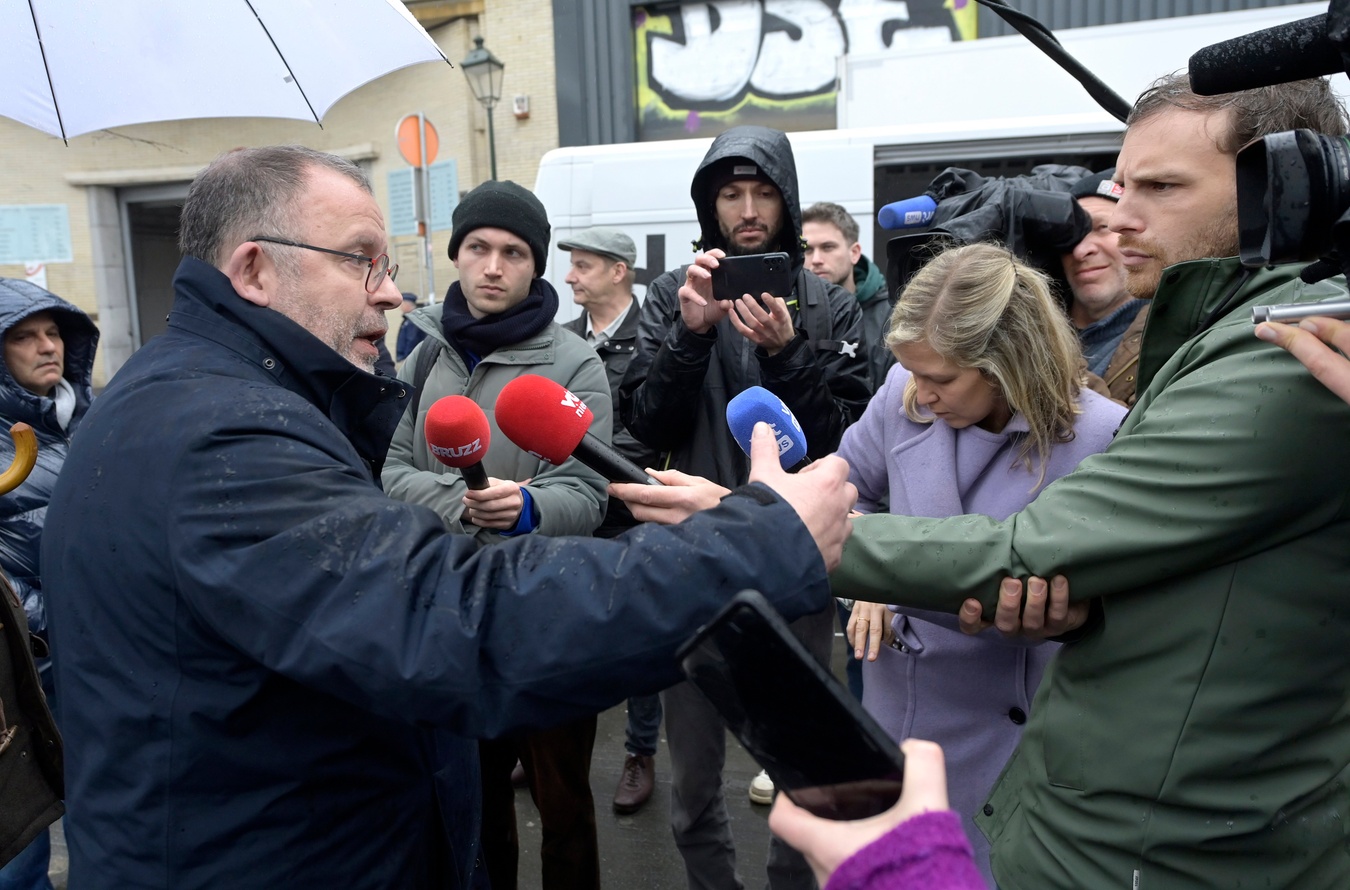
{"points": [[540, 416], [758, 404], [457, 431], [1292, 51]]}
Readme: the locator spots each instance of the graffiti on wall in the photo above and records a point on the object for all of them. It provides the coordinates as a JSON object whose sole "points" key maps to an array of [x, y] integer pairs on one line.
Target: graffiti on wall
{"points": [[704, 67]]}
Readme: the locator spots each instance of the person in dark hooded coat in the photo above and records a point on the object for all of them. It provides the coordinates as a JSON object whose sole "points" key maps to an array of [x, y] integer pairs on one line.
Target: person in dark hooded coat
{"points": [[45, 382], [691, 360]]}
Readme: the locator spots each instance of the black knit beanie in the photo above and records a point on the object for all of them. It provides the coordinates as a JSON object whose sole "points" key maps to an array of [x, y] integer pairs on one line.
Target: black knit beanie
{"points": [[503, 205], [725, 170]]}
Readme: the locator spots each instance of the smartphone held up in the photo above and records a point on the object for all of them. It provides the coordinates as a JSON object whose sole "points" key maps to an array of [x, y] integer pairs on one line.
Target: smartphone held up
{"points": [[753, 274]]}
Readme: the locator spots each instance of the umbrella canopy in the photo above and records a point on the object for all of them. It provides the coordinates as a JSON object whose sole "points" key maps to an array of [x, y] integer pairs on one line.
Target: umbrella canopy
{"points": [[69, 67]]}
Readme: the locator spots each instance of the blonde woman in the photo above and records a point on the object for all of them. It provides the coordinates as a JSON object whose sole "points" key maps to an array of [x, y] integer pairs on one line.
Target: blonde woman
{"points": [[986, 407]]}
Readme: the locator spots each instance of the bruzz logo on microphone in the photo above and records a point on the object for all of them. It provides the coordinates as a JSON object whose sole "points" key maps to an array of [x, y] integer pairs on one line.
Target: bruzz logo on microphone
{"points": [[576, 404], [457, 451], [785, 439]]}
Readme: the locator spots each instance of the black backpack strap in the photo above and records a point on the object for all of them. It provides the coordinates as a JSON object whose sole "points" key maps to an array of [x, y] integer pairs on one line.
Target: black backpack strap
{"points": [[426, 359], [817, 319]]}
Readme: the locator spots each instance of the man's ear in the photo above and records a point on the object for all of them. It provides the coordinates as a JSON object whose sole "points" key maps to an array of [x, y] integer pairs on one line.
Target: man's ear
{"points": [[618, 271], [855, 252], [252, 273]]}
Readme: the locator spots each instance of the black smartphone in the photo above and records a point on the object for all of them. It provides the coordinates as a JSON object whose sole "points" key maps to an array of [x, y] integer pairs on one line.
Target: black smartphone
{"points": [[754, 274], [801, 724]]}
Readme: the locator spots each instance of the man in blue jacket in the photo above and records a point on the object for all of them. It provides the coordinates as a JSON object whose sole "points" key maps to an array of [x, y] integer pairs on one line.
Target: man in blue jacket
{"points": [[409, 334], [261, 643]]}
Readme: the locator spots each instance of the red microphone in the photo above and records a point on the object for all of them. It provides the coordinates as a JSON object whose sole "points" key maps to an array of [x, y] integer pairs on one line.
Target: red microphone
{"points": [[546, 420], [458, 434]]}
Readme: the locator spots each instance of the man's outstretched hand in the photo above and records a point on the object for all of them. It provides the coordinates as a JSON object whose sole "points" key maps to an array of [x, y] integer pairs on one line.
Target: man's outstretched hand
{"points": [[821, 494]]}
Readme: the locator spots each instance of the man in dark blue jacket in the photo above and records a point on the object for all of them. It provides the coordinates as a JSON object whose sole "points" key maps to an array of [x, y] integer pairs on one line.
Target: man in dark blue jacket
{"points": [[261, 643], [409, 334]]}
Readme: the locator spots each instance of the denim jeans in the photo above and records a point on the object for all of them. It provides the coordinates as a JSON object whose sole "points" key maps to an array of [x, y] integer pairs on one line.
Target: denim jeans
{"points": [[644, 725], [28, 870]]}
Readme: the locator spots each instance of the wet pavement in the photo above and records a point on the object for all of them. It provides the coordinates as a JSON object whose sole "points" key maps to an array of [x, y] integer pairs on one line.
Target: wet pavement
{"points": [[637, 851]]}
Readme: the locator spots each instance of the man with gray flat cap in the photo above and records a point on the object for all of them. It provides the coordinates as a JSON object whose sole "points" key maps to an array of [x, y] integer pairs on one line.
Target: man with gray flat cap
{"points": [[601, 277]]}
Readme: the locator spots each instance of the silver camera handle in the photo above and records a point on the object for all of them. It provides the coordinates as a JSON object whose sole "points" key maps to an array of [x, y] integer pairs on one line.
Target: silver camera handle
{"points": [[1292, 313]]}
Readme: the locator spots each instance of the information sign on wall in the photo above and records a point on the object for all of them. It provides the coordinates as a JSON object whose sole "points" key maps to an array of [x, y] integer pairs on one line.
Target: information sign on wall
{"points": [[35, 233], [402, 202]]}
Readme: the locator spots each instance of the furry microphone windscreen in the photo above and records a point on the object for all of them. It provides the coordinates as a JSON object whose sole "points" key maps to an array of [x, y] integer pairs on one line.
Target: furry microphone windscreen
{"points": [[542, 417], [457, 431]]}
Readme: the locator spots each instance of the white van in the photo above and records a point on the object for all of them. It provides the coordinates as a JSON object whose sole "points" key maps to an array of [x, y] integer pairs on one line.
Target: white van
{"points": [[995, 106]]}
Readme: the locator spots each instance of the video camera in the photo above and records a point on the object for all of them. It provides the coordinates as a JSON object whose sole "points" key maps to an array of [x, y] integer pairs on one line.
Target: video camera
{"points": [[1033, 215], [1293, 188]]}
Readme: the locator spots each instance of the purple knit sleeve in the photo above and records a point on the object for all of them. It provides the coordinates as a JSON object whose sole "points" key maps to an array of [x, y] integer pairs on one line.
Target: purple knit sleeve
{"points": [[929, 851]]}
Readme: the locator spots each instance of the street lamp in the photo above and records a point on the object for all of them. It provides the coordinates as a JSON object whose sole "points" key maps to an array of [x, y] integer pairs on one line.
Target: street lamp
{"points": [[484, 72]]}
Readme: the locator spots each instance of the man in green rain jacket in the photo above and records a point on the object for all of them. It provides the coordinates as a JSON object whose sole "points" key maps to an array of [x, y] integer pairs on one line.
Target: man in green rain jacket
{"points": [[1195, 732]]}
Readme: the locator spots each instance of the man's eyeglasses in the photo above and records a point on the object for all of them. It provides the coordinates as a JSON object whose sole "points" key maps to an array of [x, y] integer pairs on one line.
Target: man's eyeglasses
{"points": [[379, 266]]}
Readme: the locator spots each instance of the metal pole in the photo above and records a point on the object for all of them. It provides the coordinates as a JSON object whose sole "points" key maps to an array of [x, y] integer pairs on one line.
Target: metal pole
{"points": [[426, 208], [492, 144]]}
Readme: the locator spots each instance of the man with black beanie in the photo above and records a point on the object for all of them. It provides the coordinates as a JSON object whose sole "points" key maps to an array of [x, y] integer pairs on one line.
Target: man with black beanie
{"points": [[495, 324]]}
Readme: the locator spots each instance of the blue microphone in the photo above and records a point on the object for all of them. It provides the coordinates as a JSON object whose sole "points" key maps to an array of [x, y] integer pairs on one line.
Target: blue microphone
{"points": [[911, 213], [756, 404]]}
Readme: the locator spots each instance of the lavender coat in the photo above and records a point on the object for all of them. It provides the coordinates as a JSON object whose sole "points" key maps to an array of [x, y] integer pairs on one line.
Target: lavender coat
{"points": [[970, 694]]}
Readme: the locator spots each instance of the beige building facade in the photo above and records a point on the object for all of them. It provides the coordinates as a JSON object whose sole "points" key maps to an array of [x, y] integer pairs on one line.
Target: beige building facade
{"points": [[122, 188]]}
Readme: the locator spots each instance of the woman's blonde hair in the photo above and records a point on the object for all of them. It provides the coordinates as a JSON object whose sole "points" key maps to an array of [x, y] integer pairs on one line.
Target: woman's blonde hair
{"points": [[978, 307]]}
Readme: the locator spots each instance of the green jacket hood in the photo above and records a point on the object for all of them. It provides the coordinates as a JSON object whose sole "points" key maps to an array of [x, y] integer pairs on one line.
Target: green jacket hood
{"points": [[868, 282]]}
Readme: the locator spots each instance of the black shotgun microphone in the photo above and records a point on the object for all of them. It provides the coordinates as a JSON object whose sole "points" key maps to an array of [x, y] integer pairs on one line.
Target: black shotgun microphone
{"points": [[1292, 51]]}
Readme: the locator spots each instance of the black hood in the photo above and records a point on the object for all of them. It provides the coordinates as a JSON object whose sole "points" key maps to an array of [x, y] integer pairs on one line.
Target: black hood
{"points": [[772, 153]]}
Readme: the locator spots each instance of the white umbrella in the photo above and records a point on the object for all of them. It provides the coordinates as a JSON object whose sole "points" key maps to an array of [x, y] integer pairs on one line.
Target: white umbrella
{"points": [[74, 66]]}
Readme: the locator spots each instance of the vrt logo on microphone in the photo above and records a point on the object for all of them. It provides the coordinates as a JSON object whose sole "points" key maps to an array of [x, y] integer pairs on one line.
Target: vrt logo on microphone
{"points": [[457, 450], [571, 401]]}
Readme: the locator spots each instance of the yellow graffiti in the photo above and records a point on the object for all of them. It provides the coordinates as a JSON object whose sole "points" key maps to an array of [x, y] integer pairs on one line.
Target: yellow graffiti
{"points": [[965, 16]]}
